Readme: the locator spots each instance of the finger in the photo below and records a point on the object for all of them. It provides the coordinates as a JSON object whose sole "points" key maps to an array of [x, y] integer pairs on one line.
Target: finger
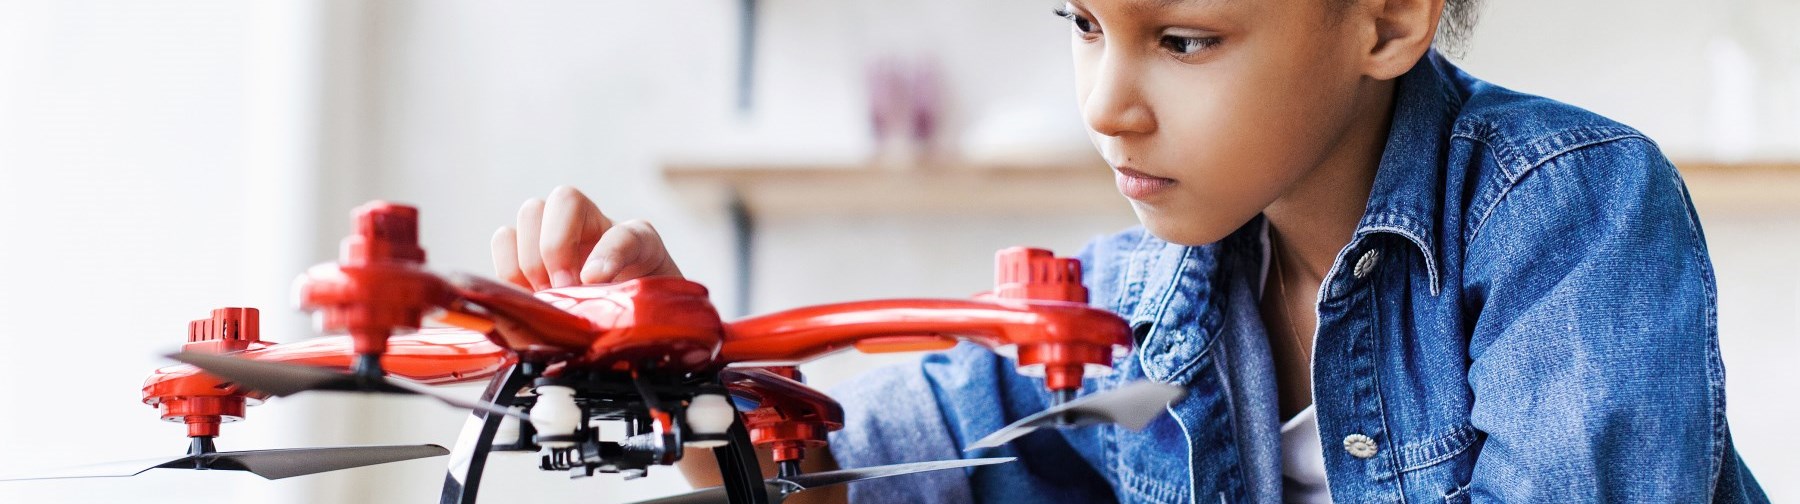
{"points": [[631, 249], [531, 263], [572, 225], [505, 248]]}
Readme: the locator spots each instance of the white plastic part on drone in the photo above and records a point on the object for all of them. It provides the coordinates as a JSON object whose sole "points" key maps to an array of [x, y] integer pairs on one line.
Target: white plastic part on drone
{"points": [[555, 415], [709, 414]]}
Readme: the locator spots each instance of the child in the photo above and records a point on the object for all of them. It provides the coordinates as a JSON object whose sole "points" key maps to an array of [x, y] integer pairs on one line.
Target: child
{"points": [[1380, 279]]}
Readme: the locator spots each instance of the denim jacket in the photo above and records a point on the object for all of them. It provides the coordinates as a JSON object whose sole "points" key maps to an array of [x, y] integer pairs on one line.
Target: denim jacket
{"points": [[1525, 313]]}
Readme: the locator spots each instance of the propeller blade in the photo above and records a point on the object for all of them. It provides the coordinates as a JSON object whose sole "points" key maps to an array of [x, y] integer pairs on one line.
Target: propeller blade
{"points": [[780, 489], [1132, 406], [828, 478], [716, 495], [273, 378], [270, 464], [284, 379], [414, 388], [286, 463], [107, 469]]}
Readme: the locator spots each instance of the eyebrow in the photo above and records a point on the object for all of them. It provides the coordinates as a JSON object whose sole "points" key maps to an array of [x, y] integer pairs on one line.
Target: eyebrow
{"points": [[1172, 3]]}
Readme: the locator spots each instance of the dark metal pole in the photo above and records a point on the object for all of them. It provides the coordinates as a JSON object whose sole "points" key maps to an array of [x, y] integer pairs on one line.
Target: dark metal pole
{"points": [[746, 56], [743, 235]]}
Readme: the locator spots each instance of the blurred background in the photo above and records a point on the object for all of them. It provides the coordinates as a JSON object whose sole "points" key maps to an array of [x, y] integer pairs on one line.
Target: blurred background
{"points": [[160, 159]]}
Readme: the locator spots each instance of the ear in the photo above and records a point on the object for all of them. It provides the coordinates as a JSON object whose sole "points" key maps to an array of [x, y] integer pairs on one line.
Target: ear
{"points": [[1403, 30]]}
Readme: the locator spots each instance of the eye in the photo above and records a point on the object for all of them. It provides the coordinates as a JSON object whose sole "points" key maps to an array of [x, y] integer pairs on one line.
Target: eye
{"points": [[1082, 25], [1187, 45]]}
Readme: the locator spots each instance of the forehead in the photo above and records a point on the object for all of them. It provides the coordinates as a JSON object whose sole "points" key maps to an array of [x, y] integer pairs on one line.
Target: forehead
{"points": [[1150, 6]]}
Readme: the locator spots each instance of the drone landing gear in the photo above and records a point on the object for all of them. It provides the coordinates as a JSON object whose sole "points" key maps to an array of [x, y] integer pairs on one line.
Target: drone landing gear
{"points": [[741, 470], [601, 399], [463, 480]]}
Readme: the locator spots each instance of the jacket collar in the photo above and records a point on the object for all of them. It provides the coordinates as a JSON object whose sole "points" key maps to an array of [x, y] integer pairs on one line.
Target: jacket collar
{"points": [[1408, 194]]}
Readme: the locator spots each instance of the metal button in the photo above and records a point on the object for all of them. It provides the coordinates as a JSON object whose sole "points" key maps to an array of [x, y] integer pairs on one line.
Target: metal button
{"points": [[1366, 263], [1359, 446]]}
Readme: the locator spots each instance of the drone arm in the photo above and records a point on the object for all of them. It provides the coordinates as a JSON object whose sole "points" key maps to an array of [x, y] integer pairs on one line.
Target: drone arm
{"points": [[804, 334], [431, 356], [789, 416], [1057, 339], [525, 320]]}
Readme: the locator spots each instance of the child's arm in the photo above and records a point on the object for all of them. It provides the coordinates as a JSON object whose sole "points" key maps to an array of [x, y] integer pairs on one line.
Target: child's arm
{"points": [[1594, 357]]}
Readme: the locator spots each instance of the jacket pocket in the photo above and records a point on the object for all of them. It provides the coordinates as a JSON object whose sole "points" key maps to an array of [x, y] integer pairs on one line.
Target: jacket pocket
{"points": [[1438, 449]]}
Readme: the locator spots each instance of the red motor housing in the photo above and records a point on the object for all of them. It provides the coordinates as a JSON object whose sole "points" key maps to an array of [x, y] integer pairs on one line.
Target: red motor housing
{"points": [[377, 288], [1037, 274], [203, 404]]}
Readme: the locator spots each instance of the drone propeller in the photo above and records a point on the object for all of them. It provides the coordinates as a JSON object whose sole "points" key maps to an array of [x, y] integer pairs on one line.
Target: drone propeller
{"points": [[270, 464], [282, 379], [1133, 406], [780, 489]]}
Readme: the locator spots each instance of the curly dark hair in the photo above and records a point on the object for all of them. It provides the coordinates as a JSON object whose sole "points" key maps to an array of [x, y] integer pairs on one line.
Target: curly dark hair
{"points": [[1456, 26]]}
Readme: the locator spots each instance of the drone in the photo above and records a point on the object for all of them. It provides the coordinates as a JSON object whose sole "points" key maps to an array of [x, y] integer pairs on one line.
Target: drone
{"points": [[649, 357]]}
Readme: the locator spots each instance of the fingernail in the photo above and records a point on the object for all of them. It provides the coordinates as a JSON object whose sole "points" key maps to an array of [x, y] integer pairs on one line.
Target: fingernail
{"points": [[562, 278]]}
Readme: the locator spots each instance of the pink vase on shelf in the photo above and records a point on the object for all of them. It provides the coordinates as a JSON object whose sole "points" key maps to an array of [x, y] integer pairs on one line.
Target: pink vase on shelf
{"points": [[905, 111]]}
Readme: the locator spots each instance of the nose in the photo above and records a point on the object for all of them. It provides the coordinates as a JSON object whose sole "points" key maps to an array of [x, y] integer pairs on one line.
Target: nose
{"points": [[1115, 105]]}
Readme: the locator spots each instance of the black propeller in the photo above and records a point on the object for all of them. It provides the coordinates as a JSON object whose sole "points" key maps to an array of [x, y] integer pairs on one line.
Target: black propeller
{"points": [[780, 489], [283, 379], [1133, 405], [270, 464]]}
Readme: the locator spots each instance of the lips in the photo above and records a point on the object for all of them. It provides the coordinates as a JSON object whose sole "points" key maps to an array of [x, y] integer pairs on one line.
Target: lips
{"points": [[1139, 185]]}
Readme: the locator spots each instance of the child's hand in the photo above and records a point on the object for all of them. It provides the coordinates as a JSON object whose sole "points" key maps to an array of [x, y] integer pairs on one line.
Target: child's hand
{"points": [[565, 240]]}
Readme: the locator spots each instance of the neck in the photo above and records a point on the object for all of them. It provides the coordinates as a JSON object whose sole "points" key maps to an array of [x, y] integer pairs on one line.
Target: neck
{"points": [[1317, 216]]}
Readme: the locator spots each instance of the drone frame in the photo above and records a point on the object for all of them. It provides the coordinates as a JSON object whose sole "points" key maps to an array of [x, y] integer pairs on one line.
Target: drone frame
{"points": [[378, 295]]}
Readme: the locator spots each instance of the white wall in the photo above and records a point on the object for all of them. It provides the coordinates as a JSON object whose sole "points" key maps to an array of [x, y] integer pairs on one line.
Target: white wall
{"points": [[1759, 336], [1719, 80], [124, 196]]}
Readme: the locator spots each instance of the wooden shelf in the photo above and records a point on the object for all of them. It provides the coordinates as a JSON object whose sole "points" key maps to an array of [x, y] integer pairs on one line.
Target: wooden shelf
{"points": [[1742, 188], [1078, 184]]}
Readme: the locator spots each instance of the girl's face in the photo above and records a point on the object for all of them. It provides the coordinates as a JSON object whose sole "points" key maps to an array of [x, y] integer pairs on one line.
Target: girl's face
{"points": [[1210, 110]]}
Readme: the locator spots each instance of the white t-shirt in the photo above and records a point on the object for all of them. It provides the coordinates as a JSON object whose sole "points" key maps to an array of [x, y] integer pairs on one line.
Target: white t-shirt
{"points": [[1303, 460], [1302, 454]]}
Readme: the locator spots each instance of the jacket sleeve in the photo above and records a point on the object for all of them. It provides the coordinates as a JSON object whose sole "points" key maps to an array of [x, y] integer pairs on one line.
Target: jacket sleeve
{"points": [[932, 409], [1594, 358], [891, 416]]}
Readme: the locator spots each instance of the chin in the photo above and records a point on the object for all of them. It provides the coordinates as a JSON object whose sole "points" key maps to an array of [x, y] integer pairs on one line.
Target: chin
{"points": [[1187, 230]]}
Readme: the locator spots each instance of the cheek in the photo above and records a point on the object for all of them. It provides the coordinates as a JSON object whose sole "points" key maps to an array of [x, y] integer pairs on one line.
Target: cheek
{"points": [[1238, 132], [1230, 134]]}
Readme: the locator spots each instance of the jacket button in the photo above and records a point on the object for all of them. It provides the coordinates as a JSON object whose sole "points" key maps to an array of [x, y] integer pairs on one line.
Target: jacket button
{"points": [[1359, 446], [1366, 263]]}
